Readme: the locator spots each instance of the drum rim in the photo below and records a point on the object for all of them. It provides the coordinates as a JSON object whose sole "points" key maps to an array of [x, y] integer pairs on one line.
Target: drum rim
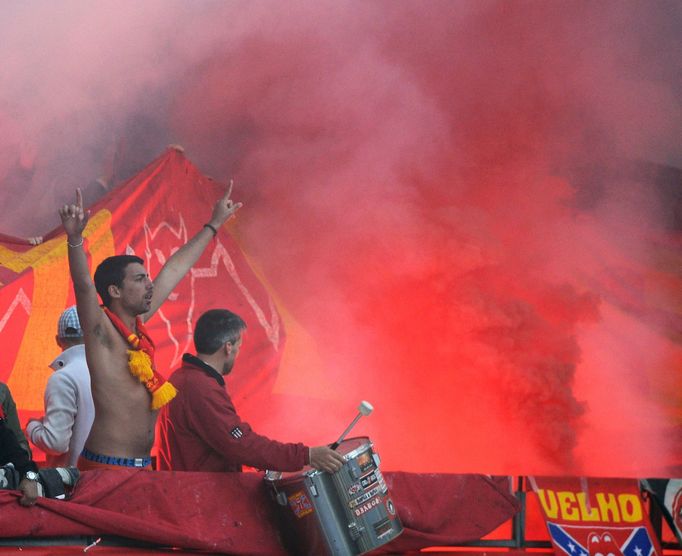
{"points": [[308, 471], [360, 449]]}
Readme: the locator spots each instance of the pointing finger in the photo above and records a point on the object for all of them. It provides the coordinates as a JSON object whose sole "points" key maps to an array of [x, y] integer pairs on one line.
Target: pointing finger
{"points": [[229, 190], [79, 198]]}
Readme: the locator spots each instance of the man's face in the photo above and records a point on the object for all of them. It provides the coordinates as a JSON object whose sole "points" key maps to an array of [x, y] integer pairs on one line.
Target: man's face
{"points": [[136, 289], [229, 362]]}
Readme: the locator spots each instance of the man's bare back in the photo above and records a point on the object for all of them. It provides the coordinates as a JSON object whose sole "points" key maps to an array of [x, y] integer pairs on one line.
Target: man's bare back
{"points": [[124, 419]]}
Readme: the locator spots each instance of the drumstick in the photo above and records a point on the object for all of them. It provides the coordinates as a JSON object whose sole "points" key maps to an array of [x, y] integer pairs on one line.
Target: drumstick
{"points": [[365, 408]]}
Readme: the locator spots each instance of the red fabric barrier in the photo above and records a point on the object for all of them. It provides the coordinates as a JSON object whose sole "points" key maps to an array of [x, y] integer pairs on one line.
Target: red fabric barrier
{"points": [[233, 513]]}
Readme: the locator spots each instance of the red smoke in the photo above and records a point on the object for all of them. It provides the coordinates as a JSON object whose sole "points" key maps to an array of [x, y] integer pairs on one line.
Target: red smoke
{"points": [[410, 173]]}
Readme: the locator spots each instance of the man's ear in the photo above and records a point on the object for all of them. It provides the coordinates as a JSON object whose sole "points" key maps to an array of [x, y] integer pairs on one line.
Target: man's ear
{"points": [[113, 290], [228, 348]]}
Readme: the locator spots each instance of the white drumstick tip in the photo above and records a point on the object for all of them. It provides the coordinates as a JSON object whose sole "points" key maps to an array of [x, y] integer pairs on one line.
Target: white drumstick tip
{"points": [[365, 408]]}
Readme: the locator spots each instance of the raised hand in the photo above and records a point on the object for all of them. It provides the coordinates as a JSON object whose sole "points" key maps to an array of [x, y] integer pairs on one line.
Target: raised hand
{"points": [[74, 218], [224, 209]]}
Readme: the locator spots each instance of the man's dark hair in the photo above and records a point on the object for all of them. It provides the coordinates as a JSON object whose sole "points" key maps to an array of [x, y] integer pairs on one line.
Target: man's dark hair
{"points": [[215, 328], [111, 271]]}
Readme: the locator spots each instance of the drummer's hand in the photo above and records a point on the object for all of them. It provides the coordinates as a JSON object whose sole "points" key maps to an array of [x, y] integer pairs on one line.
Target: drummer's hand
{"points": [[326, 459]]}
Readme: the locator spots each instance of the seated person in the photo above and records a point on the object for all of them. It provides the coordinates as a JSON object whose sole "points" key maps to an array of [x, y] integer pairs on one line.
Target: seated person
{"points": [[12, 453], [9, 409], [200, 429]]}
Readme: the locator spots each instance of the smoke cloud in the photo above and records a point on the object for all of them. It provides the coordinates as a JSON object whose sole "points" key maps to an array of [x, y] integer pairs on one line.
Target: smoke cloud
{"points": [[438, 193]]}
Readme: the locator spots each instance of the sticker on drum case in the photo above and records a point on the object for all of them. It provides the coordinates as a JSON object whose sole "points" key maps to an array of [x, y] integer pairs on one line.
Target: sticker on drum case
{"points": [[367, 506], [366, 496], [365, 461], [382, 483], [354, 488], [370, 479], [300, 504]]}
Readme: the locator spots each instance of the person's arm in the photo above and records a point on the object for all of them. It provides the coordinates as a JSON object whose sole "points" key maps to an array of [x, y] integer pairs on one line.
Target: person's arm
{"points": [[182, 260], [12, 419], [52, 433], [11, 452], [74, 219], [216, 422]]}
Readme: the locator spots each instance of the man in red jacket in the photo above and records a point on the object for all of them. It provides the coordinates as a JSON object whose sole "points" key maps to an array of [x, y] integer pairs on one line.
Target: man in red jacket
{"points": [[200, 429]]}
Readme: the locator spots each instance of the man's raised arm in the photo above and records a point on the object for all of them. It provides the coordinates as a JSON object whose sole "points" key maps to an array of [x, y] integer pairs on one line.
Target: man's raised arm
{"points": [[74, 220], [182, 260]]}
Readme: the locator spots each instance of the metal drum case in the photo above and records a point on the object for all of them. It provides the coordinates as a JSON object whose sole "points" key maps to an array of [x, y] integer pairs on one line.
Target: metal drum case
{"points": [[347, 513]]}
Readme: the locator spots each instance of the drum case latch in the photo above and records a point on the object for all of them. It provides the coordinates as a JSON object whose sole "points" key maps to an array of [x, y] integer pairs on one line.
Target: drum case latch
{"points": [[355, 530]]}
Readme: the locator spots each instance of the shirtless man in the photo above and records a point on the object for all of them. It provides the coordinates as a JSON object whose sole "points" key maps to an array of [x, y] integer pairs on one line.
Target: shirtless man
{"points": [[123, 431]]}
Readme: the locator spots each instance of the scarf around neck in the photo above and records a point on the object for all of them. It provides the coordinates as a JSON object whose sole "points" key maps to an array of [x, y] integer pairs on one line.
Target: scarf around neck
{"points": [[141, 360]]}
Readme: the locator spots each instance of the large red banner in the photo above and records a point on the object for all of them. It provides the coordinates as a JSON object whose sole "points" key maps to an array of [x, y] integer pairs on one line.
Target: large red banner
{"points": [[151, 216]]}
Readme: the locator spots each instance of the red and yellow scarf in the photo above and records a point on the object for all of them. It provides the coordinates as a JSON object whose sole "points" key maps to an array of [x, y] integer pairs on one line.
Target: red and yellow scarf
{"points": [[141, 361]]}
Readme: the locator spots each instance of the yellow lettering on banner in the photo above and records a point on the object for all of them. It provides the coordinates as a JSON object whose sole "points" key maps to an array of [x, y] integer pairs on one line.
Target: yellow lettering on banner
{"points": [[51, 286], [630, 507], [569, 508], [548, 502], [608, 503], [591, 514], [575, 506]]}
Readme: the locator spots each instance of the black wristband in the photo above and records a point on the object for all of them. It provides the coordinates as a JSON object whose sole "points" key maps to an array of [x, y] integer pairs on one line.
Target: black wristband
{"points": [[212, 228]]}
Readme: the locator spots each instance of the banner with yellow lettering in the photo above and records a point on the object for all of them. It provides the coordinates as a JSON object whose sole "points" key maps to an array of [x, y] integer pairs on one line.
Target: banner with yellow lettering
{"points": [[595, 516]]}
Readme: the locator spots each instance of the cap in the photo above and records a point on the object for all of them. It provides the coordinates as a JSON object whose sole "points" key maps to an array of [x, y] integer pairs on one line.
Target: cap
{"points": [[69, 326]]}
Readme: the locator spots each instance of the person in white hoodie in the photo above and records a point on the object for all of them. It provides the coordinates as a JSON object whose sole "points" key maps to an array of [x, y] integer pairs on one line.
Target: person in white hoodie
{"points": [[69, 409]]}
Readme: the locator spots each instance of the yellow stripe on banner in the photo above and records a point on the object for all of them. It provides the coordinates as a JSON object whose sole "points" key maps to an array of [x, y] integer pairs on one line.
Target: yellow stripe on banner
{"points": [[50, 290], [19, 261], [51, 287], [100, 238]]}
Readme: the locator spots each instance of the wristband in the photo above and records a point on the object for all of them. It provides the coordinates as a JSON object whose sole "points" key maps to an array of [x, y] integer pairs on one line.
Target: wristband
{"points": [[74, 245], [212, 228]]}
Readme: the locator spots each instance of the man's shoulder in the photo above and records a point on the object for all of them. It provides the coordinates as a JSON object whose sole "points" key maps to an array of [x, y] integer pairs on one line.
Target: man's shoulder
{"points": [[62, 385], [188, 372], [75, 364], [62, 378], [192, 381], [103, 333]]}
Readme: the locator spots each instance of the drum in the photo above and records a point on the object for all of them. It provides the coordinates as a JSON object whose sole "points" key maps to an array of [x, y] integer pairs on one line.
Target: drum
{"points": [[347, 513]]}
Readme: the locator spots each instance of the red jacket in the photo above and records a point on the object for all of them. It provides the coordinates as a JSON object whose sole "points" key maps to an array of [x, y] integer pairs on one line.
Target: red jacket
{"points": [[200, 429]]}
